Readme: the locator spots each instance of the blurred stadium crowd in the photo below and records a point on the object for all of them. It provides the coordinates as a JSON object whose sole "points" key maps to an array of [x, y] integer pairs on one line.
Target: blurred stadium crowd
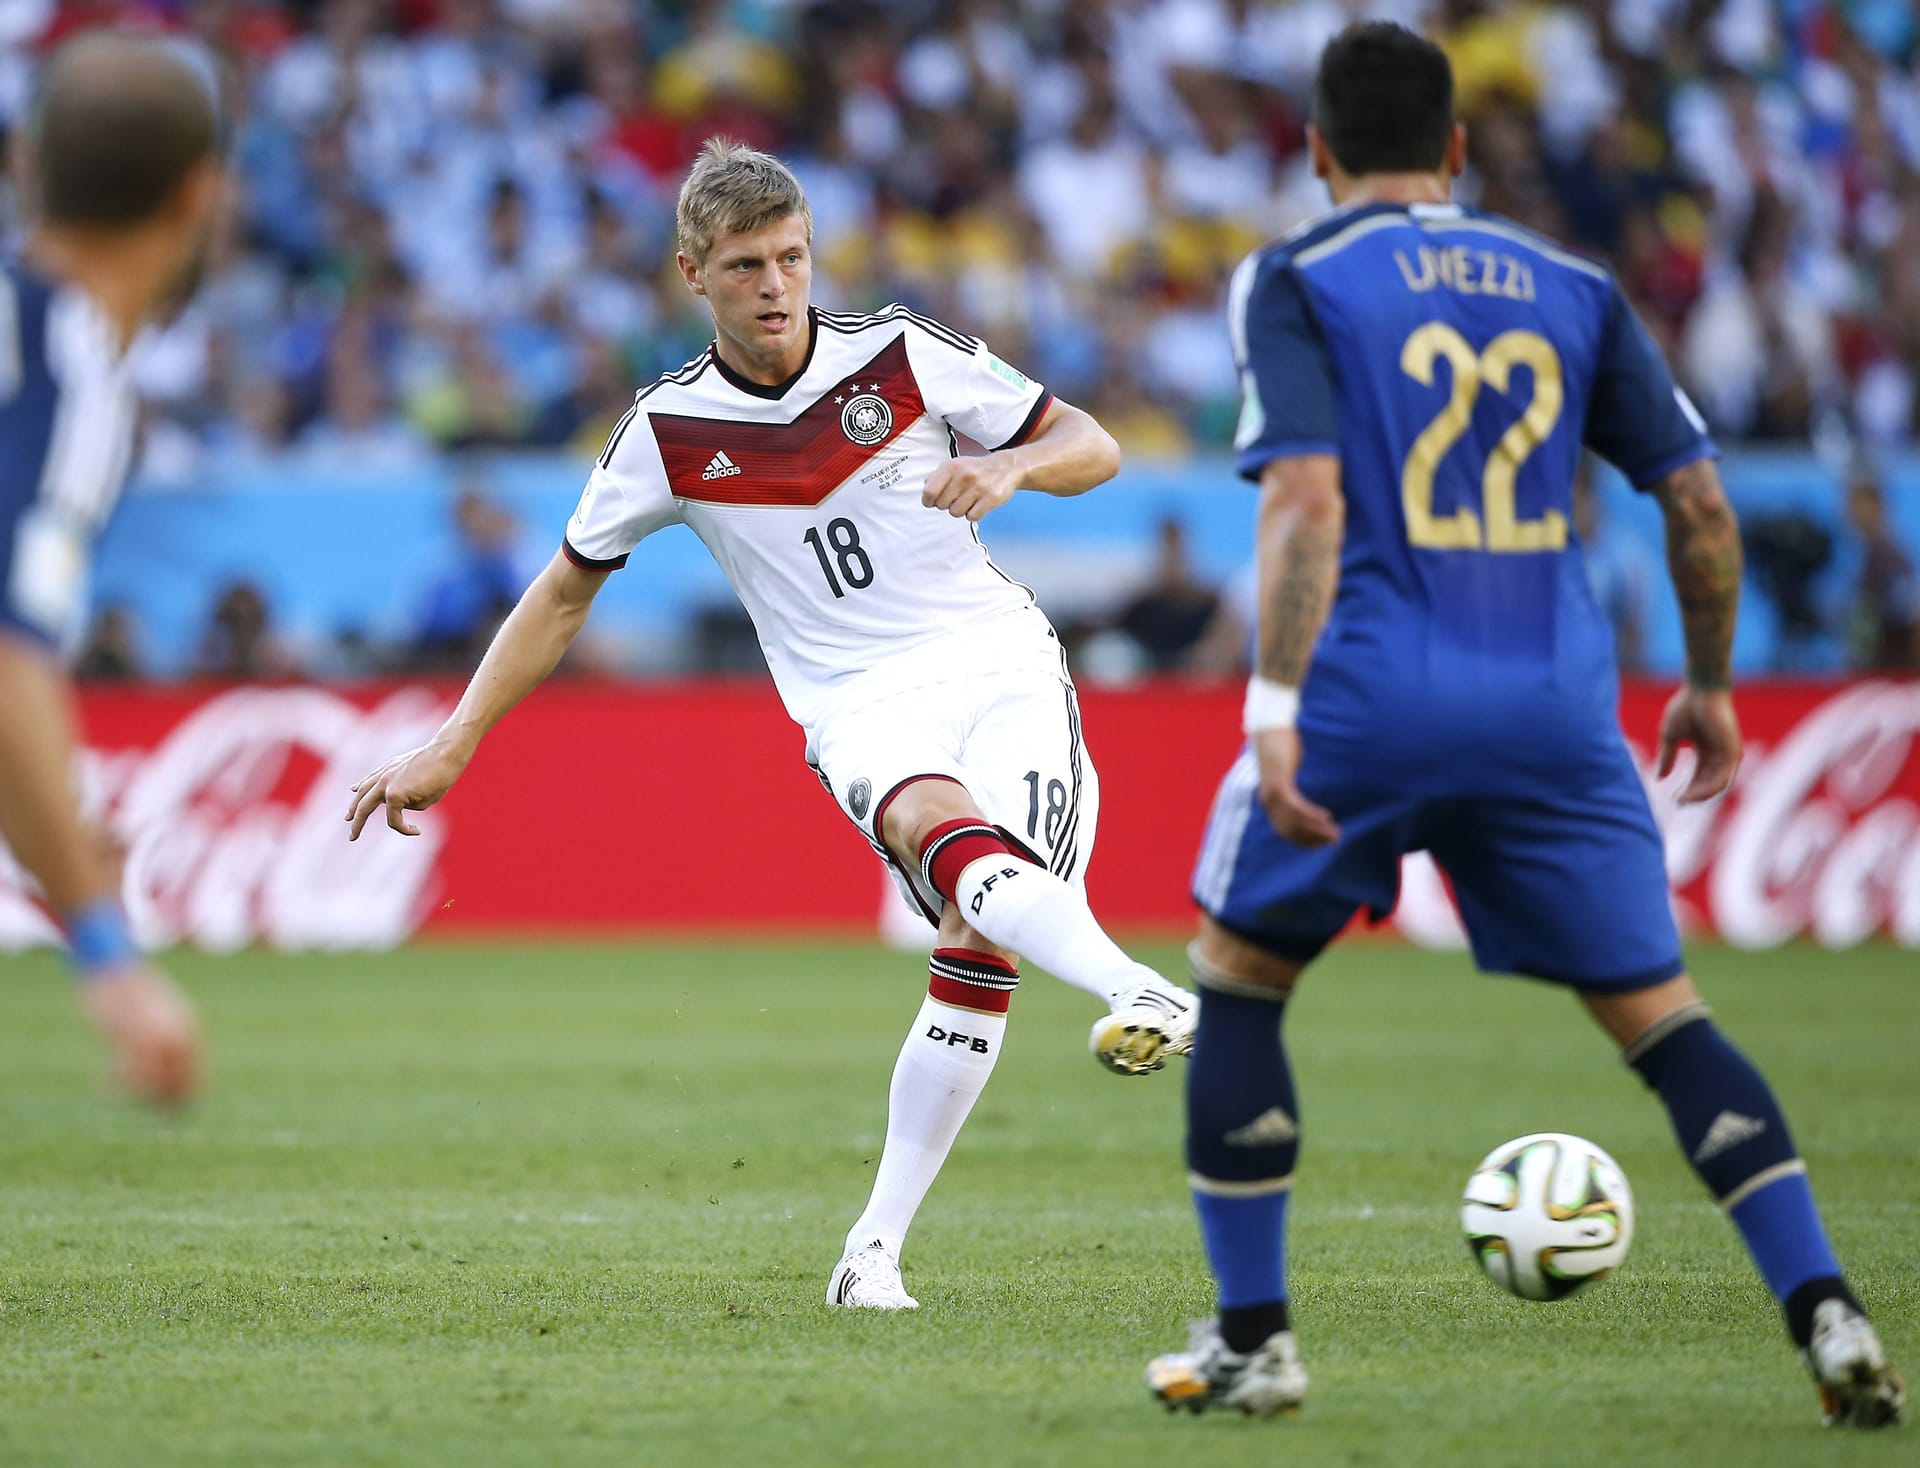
{"points": [[454, 223]]}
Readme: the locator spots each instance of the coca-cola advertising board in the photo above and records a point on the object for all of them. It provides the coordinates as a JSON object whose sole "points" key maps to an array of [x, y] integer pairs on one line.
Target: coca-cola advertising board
{"points": [[602, 808]]}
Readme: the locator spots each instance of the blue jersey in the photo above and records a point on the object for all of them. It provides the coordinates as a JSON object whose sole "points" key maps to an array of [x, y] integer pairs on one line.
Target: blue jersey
{"points": [[1459, 366], [67, 415]]}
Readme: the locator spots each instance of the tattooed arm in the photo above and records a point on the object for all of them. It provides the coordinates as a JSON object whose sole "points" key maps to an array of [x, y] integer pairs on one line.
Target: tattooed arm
{"points": [[1302, 519], [1703, 557]]}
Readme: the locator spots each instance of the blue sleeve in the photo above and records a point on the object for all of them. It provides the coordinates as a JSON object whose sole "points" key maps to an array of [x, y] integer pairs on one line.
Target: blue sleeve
{"points": [[1286, 379], [1638, 419]]}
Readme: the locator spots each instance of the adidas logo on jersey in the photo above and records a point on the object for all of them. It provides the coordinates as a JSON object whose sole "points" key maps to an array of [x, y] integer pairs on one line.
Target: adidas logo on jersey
{"points": [[1729, 1130], [720, 467], [1270, 1128]]}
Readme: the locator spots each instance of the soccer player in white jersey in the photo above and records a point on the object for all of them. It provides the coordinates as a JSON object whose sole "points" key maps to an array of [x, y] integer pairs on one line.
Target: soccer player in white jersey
{"points": [[816, 455], [121, 180]]}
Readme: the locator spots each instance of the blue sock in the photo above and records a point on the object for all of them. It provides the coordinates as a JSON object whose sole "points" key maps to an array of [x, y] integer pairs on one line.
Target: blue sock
{"points": [[1781, 1224], [1733, 1133], [1242, 1141]]}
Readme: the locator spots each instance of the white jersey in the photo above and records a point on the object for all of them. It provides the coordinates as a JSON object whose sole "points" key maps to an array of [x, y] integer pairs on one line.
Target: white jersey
{"points": [[808, 495]]}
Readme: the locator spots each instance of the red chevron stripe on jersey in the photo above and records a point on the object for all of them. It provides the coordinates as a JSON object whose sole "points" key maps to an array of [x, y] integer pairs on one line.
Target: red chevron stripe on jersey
{"points": [[722, 461]]}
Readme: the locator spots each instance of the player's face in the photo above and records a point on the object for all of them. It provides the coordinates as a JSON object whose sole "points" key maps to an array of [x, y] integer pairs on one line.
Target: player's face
{"points": [[757, 283]]}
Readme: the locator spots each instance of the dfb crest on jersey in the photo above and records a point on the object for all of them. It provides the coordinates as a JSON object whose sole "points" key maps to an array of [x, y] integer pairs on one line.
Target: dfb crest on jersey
{"points": [[866, 418], [859, 797]]}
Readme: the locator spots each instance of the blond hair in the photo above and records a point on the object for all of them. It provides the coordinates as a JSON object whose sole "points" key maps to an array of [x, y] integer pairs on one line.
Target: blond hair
{"points": [[730, 189]]}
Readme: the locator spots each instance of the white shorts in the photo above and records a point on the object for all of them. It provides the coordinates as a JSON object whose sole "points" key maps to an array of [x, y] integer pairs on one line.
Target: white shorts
{"points": [[1011, 738]]}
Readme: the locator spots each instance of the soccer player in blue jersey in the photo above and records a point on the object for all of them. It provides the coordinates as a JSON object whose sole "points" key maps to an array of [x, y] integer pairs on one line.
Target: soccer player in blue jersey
{"points": [[121, 181], [1420, 382]]}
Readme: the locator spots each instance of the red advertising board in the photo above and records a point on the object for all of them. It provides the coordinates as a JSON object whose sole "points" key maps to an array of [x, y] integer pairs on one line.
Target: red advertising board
{"points": [[614, 808]]}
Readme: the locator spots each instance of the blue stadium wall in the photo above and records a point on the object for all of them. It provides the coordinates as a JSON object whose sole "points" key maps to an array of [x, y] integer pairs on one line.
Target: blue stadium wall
{"points": [[339, 552]]}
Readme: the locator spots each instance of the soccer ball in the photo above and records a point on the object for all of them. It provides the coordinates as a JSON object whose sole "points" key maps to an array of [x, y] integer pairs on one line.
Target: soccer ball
{"points": [[1546, 1214]]}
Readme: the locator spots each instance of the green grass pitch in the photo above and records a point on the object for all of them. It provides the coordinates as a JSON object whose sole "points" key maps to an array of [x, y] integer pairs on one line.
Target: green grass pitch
{"points": [[576, 1205]]}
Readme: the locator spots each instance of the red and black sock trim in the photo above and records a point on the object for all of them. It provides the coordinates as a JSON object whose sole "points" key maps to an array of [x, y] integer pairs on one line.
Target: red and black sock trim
{"points": [[952, 847], [969, 966], [969, 979]]}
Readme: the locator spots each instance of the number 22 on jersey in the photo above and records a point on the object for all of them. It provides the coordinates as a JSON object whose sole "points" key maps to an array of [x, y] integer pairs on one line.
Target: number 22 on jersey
{"points": [[1497, 526]]}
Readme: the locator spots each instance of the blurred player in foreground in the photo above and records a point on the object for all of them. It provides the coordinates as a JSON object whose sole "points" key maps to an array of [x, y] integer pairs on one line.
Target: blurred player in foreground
{"points": [[814, 453], [1434, 674], [121, 180]]}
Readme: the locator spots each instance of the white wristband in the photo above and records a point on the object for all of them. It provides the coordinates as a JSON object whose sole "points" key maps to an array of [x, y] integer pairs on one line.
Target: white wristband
{"points": [[1270, 705]]}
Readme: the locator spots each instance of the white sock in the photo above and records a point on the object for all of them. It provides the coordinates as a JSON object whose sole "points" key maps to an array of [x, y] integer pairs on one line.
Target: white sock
{"points": [[942, 1069], [1027, 910]]}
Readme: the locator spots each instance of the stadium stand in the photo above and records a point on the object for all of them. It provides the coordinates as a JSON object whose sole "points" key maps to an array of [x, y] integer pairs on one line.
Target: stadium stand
{"points": [[453, 235]]}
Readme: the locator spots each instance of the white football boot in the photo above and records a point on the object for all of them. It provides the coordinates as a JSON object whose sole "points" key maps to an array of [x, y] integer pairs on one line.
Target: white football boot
{"points": [[869, 1279], [1858, 1385], [1150, 1021], [1262, 1383]]}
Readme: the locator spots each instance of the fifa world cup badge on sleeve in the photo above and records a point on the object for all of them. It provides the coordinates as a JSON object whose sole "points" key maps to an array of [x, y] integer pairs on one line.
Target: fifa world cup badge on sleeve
{"points": [[1013, 376]]}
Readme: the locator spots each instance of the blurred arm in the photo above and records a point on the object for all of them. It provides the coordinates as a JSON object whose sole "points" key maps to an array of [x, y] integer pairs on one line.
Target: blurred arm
{"points": [[147, 1021], [39, 816]]}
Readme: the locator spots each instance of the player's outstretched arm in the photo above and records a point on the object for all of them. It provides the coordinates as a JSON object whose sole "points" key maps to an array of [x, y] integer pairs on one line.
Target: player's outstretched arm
{"points": [[527, 647], [1067, 453], [146, 1020], [1303, 518], [1703, 557]]}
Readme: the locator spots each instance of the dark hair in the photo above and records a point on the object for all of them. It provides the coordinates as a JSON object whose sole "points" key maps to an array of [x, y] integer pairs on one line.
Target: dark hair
{"points": [[117, 122], [1383, 100]]}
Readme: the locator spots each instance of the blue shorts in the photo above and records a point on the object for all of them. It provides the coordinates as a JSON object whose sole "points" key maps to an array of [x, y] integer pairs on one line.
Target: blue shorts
{"points": [[1568, 885]]}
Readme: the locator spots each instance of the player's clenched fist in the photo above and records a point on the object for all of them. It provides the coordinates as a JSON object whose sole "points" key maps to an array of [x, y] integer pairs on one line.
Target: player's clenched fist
{"points": [[967, 488], [410, 781], [1293, 815]]}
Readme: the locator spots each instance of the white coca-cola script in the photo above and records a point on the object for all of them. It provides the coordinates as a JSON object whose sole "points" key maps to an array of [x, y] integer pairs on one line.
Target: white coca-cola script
{"points": [[229, 843], [232, 820], [1819, 836]]}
